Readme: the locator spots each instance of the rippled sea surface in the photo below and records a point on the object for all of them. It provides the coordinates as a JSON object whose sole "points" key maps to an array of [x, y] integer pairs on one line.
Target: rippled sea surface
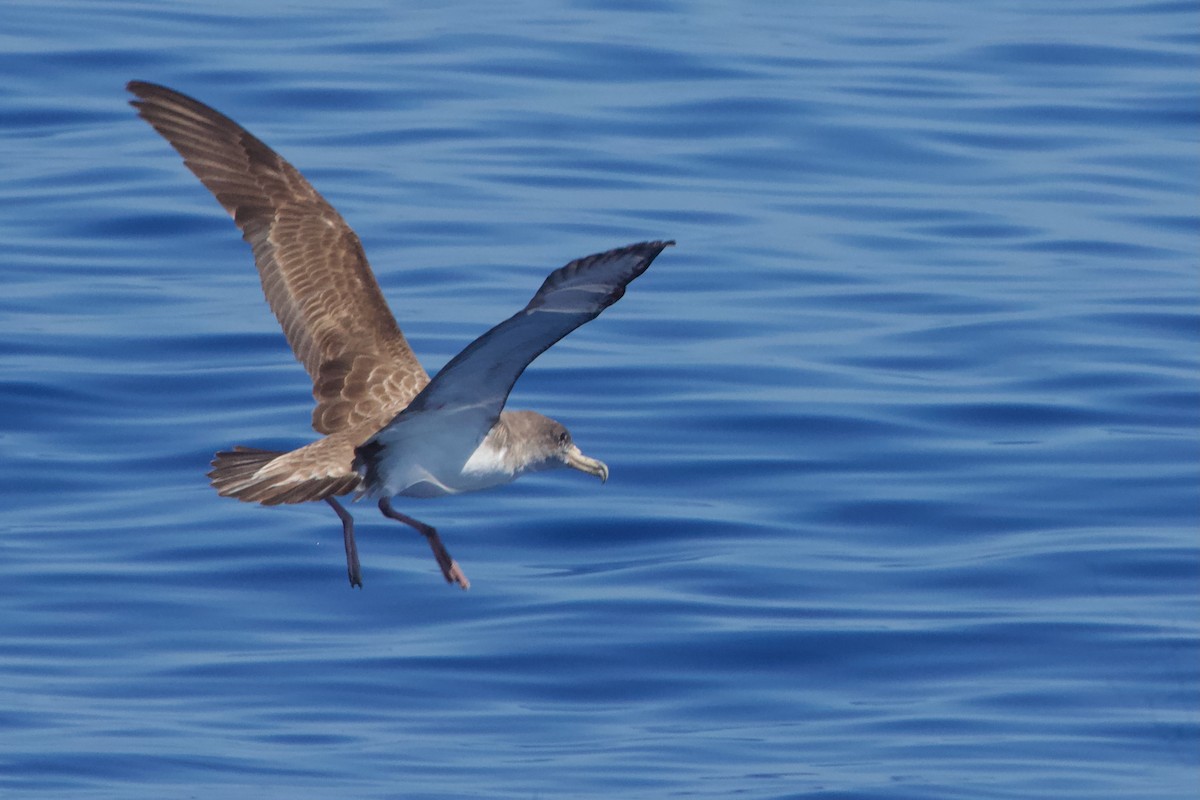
{"points": [[904, 433]]}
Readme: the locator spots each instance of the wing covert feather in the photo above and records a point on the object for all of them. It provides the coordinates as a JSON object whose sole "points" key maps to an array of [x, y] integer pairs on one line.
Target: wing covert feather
{"points": [[314, 272]]}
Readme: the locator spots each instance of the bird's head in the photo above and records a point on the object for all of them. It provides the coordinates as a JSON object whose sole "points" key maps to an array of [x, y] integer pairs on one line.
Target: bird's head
{"points": [[550, 444]]}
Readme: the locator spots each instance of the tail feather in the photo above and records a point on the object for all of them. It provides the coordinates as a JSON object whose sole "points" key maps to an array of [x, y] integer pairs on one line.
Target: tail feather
{"points": [[241, 473]]}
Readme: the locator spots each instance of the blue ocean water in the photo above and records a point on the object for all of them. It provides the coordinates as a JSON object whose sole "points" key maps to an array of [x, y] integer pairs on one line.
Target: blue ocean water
{"points": [[904, 433]]}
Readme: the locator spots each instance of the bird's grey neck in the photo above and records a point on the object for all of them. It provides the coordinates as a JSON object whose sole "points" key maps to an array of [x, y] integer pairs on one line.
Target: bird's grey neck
{"points": [[514, 441], [504, 439]]}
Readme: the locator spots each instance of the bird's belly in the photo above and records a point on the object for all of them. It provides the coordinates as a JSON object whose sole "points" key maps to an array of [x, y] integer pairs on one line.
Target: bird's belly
{"points": [[484, 469]]}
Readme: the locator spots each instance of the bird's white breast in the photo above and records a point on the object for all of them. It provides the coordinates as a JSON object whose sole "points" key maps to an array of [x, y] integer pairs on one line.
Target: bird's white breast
{"points": [[487, 462]]}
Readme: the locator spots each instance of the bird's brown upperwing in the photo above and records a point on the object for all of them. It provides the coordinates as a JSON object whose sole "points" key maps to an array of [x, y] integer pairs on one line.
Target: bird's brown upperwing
{"points": [[313, 269]]}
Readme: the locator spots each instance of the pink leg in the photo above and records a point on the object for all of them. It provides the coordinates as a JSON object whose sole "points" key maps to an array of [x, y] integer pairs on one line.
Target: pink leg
{"points": [[450, 569]]}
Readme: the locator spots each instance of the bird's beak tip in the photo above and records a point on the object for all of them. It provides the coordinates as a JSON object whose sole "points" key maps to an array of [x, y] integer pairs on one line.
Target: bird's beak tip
{"points": [[592, 466]]}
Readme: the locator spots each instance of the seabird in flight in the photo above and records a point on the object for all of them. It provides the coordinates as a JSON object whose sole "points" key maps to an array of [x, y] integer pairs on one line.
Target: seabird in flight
{"points": [[387, 429]]}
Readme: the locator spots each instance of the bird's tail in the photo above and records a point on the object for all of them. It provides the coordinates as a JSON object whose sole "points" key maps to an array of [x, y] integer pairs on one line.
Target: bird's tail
{"points": [[234, 472], [271, 477]]}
